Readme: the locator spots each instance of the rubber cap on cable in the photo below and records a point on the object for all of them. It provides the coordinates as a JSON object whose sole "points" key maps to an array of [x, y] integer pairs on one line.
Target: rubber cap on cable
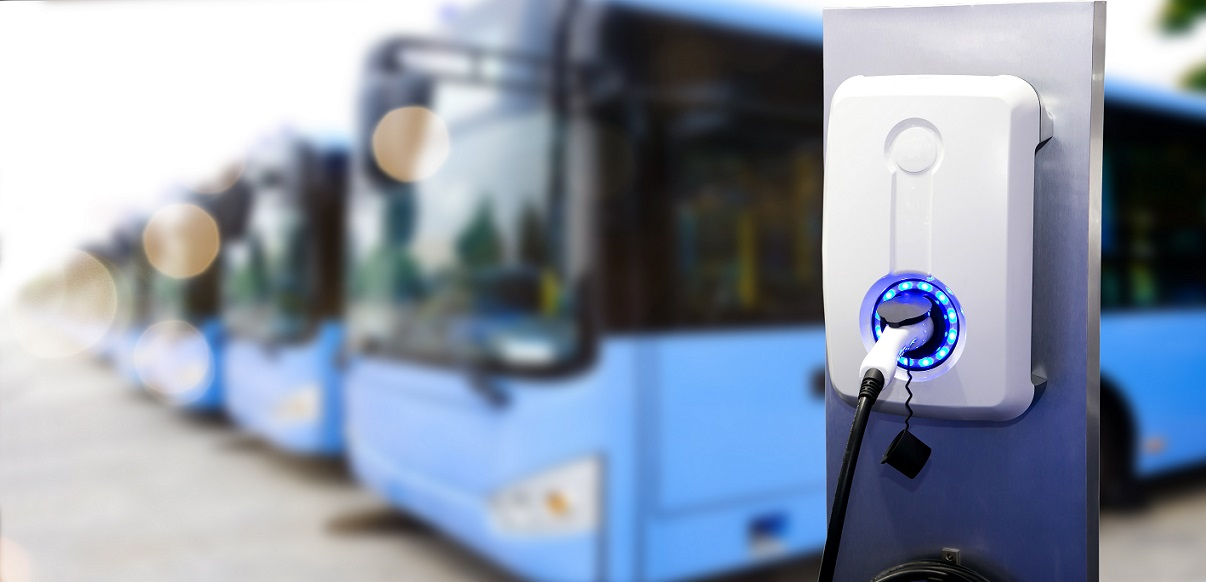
{"points": [[907, 454], [904, 310]]}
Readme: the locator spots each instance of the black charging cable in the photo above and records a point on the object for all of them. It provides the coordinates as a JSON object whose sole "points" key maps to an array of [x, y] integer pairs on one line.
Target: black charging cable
{"points": [[908, 317], [873, 384]]}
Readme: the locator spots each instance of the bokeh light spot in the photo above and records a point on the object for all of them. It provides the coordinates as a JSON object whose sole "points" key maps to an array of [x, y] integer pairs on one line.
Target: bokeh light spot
{"points": [[14, 562], [210, 182], [410, 143], [67, 309], [181, 240], [173, 359]]}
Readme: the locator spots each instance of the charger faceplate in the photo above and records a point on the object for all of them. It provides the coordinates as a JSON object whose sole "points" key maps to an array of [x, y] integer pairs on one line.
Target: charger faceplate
{"points": [[929, 183]]}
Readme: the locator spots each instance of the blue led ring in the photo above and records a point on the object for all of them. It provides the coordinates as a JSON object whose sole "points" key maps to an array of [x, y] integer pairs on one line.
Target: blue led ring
{"points": [[949, 326]]}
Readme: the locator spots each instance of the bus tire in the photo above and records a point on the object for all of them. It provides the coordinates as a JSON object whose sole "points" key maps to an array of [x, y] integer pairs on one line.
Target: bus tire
{"points": [[1120, 487]]}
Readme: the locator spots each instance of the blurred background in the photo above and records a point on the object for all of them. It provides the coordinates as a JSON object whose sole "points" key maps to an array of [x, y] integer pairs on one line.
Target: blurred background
{"points": [[472, 290]]}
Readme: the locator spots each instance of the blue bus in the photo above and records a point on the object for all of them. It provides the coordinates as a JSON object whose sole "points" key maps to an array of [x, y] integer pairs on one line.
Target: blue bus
{"points": [[177, 354], [116, 254], [132, 278], [282, 297], [589, 346], [1153, 286]]}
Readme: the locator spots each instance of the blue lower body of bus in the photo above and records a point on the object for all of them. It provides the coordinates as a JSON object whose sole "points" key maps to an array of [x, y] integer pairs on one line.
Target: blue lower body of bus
{"points": [[1149, 358], [289, 394], [207, 394], [670, 457], [125, 343], [184, 369]]}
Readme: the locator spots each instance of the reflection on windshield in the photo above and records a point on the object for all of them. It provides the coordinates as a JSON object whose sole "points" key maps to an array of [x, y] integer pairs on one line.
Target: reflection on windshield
{"points": [[461, 267], [169, 298], [245, 301], [133, 282], [267, 282]]}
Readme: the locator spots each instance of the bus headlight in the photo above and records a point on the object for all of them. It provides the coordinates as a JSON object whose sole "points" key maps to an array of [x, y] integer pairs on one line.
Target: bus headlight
{"points": [[303, 404], [561, 501]]}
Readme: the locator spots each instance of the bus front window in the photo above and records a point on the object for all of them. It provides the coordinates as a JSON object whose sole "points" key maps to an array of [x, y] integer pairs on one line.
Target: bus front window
{"points": [[171, 299], [286, 246], [268, 294], [245, 299], [466, 266]]}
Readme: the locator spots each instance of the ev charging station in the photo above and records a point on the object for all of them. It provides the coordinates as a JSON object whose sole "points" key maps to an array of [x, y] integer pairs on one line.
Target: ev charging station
{"points": [[961, 271]]}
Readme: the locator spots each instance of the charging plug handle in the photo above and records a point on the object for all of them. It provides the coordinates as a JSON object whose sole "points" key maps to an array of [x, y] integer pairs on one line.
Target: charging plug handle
{"points": [[909, 326]]}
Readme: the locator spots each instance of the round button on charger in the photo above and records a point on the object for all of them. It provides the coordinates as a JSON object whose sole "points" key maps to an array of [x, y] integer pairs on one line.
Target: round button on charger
{"points": [[915, 150]]}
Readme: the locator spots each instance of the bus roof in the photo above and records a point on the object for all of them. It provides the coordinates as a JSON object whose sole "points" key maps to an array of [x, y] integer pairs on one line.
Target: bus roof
{"points": [[1132, 94], [750, 15]]}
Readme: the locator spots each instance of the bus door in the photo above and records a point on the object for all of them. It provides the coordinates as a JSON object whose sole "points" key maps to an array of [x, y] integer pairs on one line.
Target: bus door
{"points": [[724, 222]]}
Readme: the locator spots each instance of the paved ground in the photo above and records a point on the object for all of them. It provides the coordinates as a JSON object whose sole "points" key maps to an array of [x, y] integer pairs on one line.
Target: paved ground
{"points": [[1166, 541], [99, 483]]}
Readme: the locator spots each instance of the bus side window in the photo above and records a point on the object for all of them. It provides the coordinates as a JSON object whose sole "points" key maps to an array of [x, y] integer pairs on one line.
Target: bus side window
{"points": [[747, 237], [1154, 214]]}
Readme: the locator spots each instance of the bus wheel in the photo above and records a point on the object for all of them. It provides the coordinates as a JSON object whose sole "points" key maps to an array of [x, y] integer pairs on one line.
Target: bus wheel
{"points": [[1119, 486]]}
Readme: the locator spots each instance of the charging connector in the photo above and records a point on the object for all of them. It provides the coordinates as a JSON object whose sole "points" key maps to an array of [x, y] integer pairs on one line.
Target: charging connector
{"points": [[894, 341], [909, 325]]}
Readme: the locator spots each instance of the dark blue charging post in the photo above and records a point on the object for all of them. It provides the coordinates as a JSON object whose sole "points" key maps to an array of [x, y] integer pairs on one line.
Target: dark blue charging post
{"points": [[1017, 499]]}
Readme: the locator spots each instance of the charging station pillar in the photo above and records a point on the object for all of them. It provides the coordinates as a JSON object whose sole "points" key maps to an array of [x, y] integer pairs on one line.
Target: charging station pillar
{"points": [[1019, 497]]}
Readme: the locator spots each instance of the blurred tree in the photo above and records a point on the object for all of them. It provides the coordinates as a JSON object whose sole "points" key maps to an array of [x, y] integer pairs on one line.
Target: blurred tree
{"points": [[1179, 17], [479, 244], [1195, 79]]}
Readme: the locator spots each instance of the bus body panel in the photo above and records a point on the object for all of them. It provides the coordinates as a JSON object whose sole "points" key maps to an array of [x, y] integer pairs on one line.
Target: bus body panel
{"points": [[291, 394], [737, 454], [208, 396], [761, 531], [465, 518], [1152, 288], [124, 348], [205, 395], [422, 438], [1150, 357], [736, 417]]}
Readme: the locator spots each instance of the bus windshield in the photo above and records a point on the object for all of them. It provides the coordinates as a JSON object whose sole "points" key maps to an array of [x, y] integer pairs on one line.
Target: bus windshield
{"points": [[170, 298], [245, 301], [268, 285], [464, 267], [133, 275]]}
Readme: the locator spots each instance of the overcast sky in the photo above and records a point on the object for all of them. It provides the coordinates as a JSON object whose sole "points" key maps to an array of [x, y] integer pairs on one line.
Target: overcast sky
{"points": [[105, 104]]}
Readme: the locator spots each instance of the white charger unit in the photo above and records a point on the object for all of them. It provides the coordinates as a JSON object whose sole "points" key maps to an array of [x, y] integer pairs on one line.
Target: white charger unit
{"points": [[929, 190]]}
